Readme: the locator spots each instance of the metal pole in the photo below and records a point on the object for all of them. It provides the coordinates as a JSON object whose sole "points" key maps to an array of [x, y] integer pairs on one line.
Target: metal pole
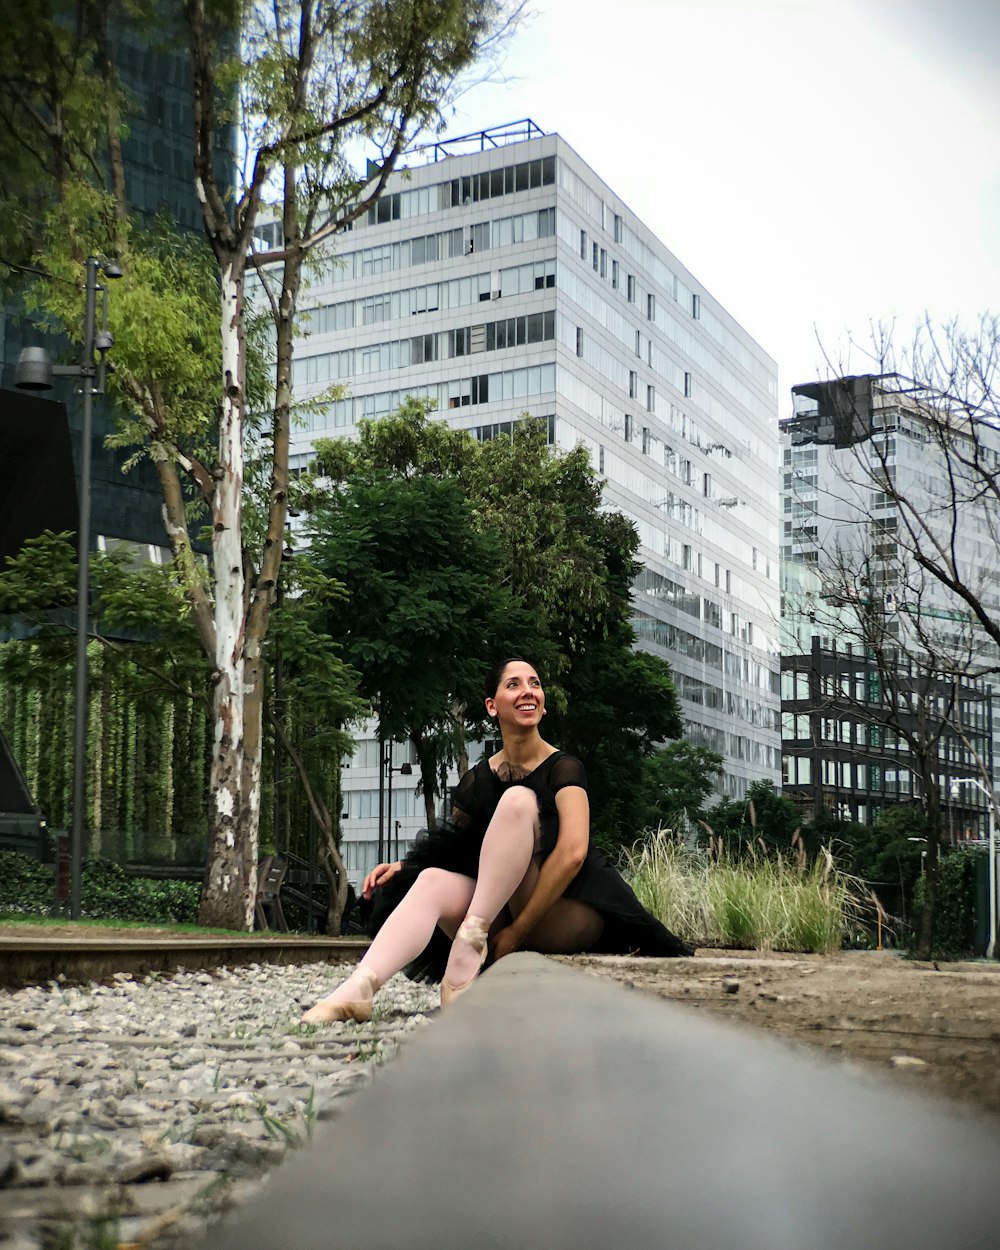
{"points": [[389, 811], [381, 795], [991, 947], [87, 373]]}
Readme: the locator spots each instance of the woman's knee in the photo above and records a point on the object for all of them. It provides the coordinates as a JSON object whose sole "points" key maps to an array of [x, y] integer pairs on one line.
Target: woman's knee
{"points": [[439, 883], [518, 803]]}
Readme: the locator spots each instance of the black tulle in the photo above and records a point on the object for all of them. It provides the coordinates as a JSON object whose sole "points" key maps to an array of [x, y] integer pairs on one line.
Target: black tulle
{"points": [[455, 844]]}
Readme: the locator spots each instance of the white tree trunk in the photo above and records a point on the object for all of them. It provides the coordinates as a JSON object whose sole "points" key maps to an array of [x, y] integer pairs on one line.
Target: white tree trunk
{"points": [[231, 877]]}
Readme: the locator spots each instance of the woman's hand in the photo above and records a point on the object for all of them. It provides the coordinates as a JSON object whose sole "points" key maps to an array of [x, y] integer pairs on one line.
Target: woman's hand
{"points": [[507, 941], [379, 876]]}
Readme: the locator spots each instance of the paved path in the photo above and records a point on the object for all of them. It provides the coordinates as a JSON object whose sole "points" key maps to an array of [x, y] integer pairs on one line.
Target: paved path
{"points": [[549, 1110]]}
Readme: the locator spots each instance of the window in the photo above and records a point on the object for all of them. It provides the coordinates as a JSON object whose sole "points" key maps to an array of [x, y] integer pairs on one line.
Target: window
{"points": [[618, 228], [600, 458], [583, 245], [688, 385], [631, 289], [651, 307], [628, 428], [633, 384], [579, 341], [729, 582], [650, 398], [696, 307], [638, 344], [604, 263], [614, 275], [595, 255], [646, 440], [718, 574], [687, 557], [706, 490]]}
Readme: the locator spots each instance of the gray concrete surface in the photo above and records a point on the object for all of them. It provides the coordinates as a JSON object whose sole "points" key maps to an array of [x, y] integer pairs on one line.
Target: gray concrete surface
{"points": [[551, 1109]]}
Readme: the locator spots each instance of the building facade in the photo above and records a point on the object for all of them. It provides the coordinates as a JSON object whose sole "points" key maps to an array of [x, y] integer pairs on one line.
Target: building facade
{"points": [[872, 648], [503, 277]]}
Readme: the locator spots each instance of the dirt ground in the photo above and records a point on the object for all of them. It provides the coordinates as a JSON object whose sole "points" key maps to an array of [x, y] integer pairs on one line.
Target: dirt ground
{"points": [[935, 1027]]}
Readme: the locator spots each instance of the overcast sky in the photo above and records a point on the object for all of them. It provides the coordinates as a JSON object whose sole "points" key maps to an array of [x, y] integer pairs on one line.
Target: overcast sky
{"points": [[817, 164]]}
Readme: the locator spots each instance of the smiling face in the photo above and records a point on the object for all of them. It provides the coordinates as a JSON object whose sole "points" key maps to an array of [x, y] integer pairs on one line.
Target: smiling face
{"points": [[519, 700]]}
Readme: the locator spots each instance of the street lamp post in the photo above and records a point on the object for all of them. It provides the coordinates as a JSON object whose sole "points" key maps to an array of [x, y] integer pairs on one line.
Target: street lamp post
{"points": [[404, 770], [35, 372], [974, 781]]}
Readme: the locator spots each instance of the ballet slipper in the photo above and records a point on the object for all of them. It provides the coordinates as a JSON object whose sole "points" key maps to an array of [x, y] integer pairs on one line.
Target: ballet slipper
{"points": [[330, 1010], [475, 931]]}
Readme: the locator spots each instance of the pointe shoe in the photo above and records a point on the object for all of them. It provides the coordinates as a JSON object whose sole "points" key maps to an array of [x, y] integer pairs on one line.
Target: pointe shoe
{"points": [[476, 932], [328, 1011]]}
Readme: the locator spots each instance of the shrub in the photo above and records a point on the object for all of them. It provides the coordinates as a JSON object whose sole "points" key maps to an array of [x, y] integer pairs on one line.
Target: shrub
{"points": [[26, 886], [107, 892], [760, 902], [954, 929]]}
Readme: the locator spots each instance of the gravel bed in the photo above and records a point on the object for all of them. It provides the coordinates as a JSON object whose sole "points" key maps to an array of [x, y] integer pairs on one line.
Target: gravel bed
{"points": [[135, 1112]]}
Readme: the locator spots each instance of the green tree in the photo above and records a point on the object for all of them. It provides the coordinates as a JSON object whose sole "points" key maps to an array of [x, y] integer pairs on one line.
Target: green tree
{"points": [[307, 83], [762, 816], [675, 784], [888, 854], [568, 564], [423, 598]]}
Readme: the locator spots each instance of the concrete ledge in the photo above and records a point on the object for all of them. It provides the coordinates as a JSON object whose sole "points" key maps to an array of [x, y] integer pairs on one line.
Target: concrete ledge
{"points": [[33, 961], [550, 1109]]}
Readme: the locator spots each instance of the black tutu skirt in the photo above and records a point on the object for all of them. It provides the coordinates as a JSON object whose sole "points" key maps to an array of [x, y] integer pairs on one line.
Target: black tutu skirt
{"points": [[629, 929]]}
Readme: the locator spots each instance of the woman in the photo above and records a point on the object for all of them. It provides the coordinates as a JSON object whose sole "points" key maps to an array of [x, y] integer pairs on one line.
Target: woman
{"points": [[512, 869]]}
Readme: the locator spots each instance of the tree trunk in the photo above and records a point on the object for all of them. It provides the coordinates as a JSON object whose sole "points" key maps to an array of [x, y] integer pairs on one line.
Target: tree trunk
{"points": [[428, 775], [925, 937], [230, 883]]}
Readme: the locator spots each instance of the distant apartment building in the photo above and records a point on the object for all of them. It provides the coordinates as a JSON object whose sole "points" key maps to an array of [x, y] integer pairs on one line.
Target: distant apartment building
{"points": [[503, 277], [843, 563]]}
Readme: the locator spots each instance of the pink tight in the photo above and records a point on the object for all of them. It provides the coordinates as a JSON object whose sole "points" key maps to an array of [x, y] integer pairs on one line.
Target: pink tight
{"points": [[438, 897], [508, 873]]}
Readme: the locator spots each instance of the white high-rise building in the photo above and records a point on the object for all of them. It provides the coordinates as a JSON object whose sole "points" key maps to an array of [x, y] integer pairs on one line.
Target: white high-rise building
{"points": [[502, 276]]}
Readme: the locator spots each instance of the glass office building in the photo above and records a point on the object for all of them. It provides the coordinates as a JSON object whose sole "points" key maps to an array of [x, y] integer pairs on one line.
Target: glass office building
{"points": [[845, 562], [502, 277]]}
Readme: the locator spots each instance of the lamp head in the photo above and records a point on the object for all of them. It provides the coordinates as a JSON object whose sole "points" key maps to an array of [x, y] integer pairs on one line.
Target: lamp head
{"points": [[33, 371], [111, 269]]}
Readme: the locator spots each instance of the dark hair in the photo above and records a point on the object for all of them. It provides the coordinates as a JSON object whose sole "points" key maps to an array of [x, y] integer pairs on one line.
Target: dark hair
{"points": [[493, 677]]}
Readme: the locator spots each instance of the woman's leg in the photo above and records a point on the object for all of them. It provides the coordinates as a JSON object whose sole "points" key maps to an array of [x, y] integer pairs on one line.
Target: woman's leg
{"points": [[504, 859], [436, 897], [567, 927]]}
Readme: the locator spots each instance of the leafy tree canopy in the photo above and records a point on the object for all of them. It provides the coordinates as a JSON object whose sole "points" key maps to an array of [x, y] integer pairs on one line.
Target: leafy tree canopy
{"points": [[563, 564]]}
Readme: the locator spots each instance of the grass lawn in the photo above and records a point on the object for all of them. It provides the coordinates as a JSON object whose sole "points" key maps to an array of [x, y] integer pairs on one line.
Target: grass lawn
{"points": [[19, 920]]}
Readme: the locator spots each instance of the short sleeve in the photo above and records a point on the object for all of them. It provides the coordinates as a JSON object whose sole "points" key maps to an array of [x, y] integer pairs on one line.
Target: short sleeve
{"points": [[567, 771]]}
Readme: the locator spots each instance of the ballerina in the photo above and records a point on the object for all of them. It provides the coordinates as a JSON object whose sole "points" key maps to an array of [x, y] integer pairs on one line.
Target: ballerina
{"points": [[512, 869]]}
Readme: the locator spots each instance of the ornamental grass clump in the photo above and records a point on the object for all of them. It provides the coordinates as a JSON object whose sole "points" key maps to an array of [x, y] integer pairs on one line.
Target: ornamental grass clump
{"points": [[756, 901]]}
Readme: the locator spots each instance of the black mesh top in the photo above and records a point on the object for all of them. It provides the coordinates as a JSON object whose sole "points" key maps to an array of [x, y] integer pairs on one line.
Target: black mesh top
{"points": [[476, 796]]}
